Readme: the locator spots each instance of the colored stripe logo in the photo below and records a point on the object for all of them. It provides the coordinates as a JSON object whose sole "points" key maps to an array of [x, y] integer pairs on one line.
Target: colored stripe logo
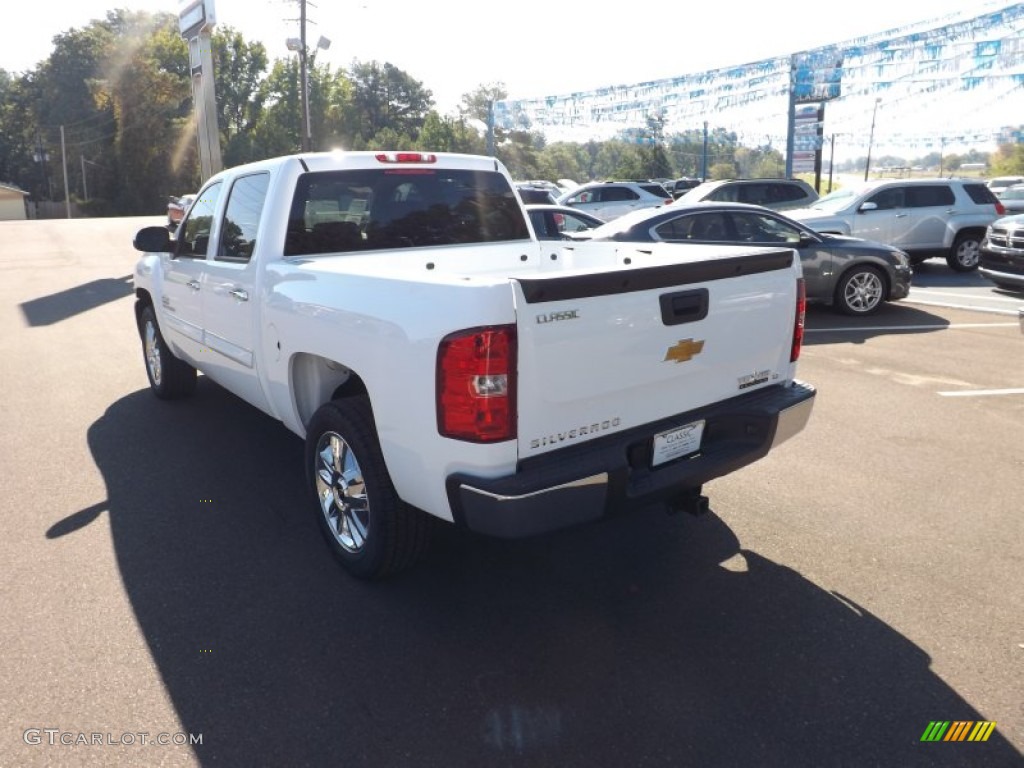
{"points": [[958, 730]]}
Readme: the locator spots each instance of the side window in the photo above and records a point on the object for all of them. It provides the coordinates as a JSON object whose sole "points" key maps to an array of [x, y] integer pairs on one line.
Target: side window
{"points": [[572, 223], [726, 194], [929, 196], [787, 193], [194, 231], [887, 199], [980, 194], [617, 194], [675, 229], [242, 218], [757, 228], [706, 227], [755, 194]]}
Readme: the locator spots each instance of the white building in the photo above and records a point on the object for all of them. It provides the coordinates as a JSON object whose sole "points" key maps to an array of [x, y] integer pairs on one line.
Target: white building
{"points": [[12, 203]]}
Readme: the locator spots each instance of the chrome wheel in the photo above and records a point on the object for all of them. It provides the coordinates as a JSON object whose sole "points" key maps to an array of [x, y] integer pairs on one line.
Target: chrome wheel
{"points": [[863, 292], [967, 253], [342, 492], [152, 347]]}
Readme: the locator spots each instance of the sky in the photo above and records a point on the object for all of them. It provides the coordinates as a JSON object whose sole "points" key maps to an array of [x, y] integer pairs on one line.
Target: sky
{"points": [[534, 48]]}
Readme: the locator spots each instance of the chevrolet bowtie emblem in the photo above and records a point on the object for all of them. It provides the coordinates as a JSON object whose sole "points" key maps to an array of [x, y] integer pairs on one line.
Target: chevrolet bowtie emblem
{"points": [[685, 350]]}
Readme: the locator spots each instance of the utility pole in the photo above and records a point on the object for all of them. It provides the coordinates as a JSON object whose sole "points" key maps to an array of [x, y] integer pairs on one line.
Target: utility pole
{"points": [[85, 186], [298, 44], [304, 77], [42, 157], [704, 173], [831, 160], [490, 127], [64, 163], [871, 138]]}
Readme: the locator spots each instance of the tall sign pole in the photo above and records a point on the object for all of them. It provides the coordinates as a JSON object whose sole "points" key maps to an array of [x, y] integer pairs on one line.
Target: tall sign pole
{"points": [[815, 77], [195, 21]]}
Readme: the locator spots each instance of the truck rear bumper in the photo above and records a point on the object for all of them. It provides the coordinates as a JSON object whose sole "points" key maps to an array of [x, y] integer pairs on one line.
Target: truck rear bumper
{"points": [[614, 473]]}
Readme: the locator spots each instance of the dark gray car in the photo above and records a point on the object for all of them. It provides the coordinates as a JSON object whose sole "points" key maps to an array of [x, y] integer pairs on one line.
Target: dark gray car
{"points": [[853, 275]]}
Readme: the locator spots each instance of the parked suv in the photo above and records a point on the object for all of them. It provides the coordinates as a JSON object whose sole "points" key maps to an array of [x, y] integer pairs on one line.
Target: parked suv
{"points": [[531, 194], [923, 217], [608, 199], [1002, 253], [680, 187], [1000, 184], [778, 194]]}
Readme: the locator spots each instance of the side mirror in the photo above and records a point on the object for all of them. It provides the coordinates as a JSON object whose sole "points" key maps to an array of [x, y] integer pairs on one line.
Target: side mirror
{"points": [[865, 207], [152, 240], [806, 238]]}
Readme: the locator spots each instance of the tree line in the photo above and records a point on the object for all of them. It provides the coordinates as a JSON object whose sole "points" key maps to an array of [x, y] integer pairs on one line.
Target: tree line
{"points": [[118, 93]]}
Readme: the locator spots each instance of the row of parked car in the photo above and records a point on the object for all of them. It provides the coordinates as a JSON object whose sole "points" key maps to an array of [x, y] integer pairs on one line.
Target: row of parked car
{"points": [[857, 244], [854, 241]]}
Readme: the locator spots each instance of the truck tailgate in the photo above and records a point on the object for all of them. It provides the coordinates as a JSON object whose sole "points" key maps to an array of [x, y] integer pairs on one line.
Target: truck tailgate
{"points": [[606, 351]]}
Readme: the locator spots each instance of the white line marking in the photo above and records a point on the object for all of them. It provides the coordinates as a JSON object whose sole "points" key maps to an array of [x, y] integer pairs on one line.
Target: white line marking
{"points": [[952, 326], [929, 292], [960, 306], [982, 392]]}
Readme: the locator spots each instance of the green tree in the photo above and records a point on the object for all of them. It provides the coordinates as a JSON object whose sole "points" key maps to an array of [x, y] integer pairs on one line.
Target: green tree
{"points": [[153, 139], [20, 162], [449, 134], [1009, 159], [563, 160], [279, 125], [239, 67], [386, 98]]}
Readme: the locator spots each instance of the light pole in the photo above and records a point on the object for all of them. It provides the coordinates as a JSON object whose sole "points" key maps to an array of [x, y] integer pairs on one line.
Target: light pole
{"points": [[831, 160], [871, 138], [298, 44]]}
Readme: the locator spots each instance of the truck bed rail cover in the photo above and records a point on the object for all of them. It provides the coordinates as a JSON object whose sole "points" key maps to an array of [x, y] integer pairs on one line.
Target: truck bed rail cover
{"points": [[562, 288]]}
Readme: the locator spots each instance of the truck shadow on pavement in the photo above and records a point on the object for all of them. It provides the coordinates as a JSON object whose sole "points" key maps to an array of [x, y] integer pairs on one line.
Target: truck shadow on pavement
{"points": [[826, 326], [47, 310], [619, 644]]}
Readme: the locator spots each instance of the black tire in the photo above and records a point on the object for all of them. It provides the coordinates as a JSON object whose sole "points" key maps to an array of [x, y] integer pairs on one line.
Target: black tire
{"points": [[169, 377], [861, 291], [371, 531], [963, 256]]}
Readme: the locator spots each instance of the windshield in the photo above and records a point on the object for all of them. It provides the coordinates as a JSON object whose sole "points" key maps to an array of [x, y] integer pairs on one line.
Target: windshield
{"points": [[1014, 193], [835, 201]]}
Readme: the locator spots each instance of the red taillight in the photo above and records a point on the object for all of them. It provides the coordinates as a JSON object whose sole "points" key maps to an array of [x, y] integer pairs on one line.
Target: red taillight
{"points": [[798, 323], [476, 387], [405, 157], [1000, 209]]}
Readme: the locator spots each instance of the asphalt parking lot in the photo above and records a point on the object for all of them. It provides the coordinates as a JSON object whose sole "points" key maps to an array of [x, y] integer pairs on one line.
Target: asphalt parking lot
{"points": [[165, 577]]}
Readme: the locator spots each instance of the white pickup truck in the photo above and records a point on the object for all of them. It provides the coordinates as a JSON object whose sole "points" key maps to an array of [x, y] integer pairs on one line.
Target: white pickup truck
{"points": [[397, 312]]}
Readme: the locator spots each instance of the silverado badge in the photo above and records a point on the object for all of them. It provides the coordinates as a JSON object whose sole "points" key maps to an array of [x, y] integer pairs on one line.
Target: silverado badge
{"points": [[685, 349]]}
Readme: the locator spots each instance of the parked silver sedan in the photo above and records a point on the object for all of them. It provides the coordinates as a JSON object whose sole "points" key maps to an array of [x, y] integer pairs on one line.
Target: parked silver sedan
{"points": [[853, 275]]}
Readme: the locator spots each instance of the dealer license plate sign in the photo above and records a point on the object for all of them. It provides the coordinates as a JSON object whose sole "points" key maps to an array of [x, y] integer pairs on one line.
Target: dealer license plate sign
{"points": [[677, 442]]}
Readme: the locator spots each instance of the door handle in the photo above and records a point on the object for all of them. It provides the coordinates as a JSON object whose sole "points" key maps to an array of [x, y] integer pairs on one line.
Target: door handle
{"points": [[902, 215], [193, 284], [239, 294]]}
